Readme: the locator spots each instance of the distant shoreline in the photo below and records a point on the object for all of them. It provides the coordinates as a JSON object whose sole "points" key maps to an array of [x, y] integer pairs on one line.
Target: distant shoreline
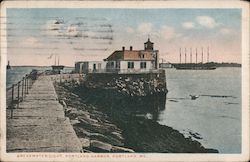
{"points": [[215, 64], [223, 64], [37, 66]]}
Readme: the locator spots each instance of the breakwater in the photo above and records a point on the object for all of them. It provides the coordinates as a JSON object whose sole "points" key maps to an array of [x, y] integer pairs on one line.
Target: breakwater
{"points": [[130, 104], [132, 90], [39, 124]]}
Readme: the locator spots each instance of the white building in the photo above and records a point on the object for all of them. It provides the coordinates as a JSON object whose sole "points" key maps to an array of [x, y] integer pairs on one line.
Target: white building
{"points": [[136, 61], [90, 66], [124, 61]]}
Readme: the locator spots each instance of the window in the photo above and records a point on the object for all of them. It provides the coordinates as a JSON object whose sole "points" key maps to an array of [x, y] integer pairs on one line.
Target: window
{"points": [[143, 65], [130, 65]]}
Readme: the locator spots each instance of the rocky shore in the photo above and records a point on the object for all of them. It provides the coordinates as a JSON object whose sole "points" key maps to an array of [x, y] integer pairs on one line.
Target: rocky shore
{"points": [[106, 120]]}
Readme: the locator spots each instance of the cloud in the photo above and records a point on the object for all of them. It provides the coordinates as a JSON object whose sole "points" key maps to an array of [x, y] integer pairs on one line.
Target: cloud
{"points": [[188, 25], [73, 31], [226, 31], [145, 28], [53, 28], [30, 42], [168, 32], [206, 21], [53, 25], [130, 30]]}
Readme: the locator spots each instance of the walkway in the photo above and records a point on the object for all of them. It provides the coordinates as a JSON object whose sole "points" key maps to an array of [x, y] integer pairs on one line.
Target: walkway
{"points": [[39, 124]]}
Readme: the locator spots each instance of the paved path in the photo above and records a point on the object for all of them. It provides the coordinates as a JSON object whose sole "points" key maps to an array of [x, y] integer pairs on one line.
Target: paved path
{"points": [[39, 124]]}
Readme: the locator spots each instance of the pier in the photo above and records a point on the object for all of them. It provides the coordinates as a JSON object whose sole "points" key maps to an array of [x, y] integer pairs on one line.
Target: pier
{"points": [[38, 123]]}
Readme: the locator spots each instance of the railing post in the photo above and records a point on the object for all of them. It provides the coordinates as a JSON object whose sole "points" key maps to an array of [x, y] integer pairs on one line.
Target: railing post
{"points": [[22, 87], [18, 94], [27, 85], [11, 104]]}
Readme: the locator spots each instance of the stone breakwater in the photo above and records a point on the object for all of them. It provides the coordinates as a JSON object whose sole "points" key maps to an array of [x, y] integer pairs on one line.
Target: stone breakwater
{"points": [[109, 116], [93, 127], [129, 84]]}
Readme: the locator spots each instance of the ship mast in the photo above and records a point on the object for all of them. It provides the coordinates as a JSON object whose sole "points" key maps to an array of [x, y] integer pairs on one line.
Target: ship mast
{"points": [[207, 54], [185, 56], [55, 59], [191, 55], [180, 55], [196, 55], [202, 55], [58, 60]]}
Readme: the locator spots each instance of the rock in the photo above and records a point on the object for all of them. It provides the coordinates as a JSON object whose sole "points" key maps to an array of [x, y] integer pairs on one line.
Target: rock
{"points": [[106, 138], [98, 146], [73, 122], [121, 149], [81, 131], [83, 113], [74, 95], [117, 135], [62, 102], [85, 151], [97, 135], [72, 113], [85, 142], [210, 150]]}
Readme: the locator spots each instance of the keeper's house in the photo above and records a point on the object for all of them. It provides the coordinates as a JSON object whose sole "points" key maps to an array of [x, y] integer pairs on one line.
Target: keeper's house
{"points": [[124, 61], [133, 61]]}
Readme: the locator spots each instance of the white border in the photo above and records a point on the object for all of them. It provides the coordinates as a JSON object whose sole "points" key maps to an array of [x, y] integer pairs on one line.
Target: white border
{"points": [[244, 156]]}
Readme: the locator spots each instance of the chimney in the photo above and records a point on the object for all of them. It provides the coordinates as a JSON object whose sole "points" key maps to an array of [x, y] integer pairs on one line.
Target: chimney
{"points": [[123, 48], [131, 48]]}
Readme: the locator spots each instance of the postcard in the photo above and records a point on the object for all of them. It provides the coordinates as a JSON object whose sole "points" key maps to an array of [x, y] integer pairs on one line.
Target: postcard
{"points": [[124, 81]]}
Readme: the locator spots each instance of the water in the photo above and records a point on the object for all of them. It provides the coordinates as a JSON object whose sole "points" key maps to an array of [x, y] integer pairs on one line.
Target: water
{"points": [[16, 73], [216, 120]]}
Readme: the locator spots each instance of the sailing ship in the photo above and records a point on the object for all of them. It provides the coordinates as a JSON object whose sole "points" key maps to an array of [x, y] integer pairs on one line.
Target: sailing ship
{"points": [[196, 65], [57, 67], [8, 66], [199, 66]]}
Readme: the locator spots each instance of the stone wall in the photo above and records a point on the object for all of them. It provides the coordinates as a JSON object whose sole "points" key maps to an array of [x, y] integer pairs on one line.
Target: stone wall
{"points": [[129, 84]]}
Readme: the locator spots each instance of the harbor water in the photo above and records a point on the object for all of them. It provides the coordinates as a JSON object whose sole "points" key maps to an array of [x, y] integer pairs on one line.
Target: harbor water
{"points": [[213, 119]]}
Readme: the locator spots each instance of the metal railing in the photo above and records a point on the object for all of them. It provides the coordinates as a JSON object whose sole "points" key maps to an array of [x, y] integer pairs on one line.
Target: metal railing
{"points": [[17, 92]]}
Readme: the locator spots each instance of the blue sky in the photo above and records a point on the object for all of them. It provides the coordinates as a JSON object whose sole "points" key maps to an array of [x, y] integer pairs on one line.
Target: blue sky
{"points": [[93, 34]]}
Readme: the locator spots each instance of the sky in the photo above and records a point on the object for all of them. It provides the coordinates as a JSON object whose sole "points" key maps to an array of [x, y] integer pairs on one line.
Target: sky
{"points": [[37, 36]]}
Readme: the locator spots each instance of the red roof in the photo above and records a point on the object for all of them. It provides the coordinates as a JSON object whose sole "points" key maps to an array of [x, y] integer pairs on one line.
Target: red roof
{"points": [[130, 55]]}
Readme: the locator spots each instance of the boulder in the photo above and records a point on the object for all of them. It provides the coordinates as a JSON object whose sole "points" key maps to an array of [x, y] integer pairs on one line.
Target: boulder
{"points": [[74, 121], [117, 135], [62, 102], [121, 149], [85, 142], [98, 146]]}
